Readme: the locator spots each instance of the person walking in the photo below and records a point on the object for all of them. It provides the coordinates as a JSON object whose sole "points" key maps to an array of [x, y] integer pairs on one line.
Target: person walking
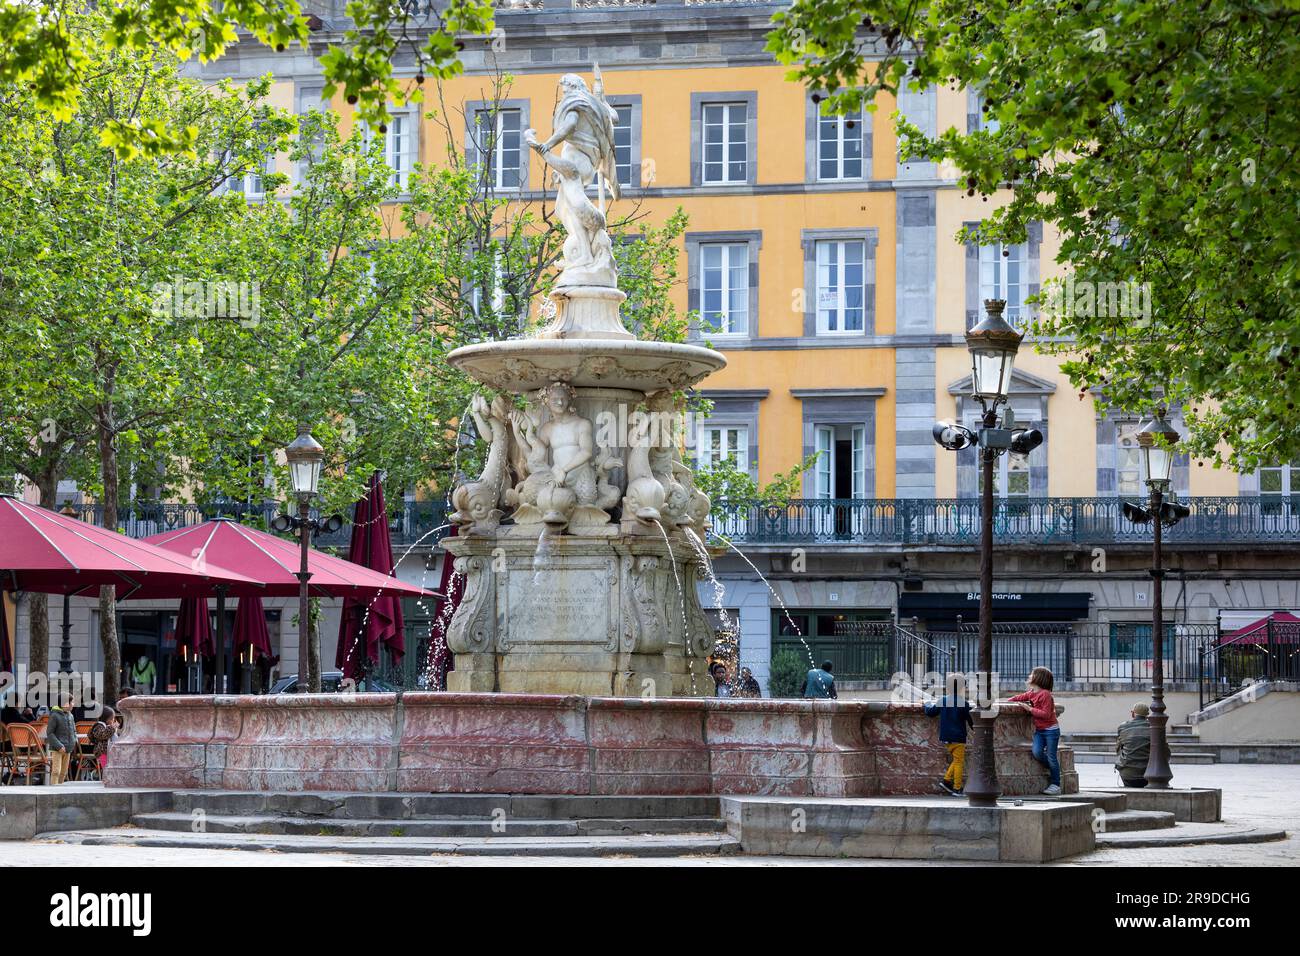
{"points": [[1133, 747], [953, 711], [1047, 732], [820, 683], [61, 739]]}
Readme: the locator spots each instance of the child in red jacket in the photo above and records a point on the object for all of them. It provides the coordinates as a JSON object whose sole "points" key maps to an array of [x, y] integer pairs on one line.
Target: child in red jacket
{"points": [[1047, 732]]}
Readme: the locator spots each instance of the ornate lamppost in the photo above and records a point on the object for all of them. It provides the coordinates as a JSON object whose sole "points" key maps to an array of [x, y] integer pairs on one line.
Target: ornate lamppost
{"points": [[305, 457], [65, 644], [993, 344], [1156, 441]]}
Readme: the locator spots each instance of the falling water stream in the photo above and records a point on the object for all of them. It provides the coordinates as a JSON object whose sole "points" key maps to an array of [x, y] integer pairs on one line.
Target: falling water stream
{"points": [[784, 610]]}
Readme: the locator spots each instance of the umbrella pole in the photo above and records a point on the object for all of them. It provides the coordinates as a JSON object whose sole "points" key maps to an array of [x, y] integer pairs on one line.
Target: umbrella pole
{"points": [[219, 678]]}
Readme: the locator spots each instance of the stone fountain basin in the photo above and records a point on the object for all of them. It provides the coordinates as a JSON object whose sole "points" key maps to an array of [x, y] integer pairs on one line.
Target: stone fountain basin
{"points": [[522, 365]]}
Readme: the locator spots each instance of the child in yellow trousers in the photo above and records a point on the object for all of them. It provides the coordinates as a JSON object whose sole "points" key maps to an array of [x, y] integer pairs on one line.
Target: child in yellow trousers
{"points": [[953, 712]]}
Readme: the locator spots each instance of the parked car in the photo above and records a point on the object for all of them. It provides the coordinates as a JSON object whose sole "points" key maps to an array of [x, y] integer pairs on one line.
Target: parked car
{"points": [[331, 682]]}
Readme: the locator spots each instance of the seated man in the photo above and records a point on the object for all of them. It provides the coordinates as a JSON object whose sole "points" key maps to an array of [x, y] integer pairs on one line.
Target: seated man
{"points": [[1134, 747]]}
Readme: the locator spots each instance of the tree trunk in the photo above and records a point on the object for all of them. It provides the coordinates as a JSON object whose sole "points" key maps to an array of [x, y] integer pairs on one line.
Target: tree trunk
{"points": [[313, 650], [108, 595], [38, 655]]}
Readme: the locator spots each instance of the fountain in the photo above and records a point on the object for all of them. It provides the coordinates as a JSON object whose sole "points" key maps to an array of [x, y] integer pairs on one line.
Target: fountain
{"points": [[579, 631], [566, 538]]}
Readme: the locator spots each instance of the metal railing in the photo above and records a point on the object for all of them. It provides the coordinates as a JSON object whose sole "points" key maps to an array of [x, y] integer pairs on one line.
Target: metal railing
{"points": [[1076, 653], [956, 521], [1269, 652], [409, 521]]}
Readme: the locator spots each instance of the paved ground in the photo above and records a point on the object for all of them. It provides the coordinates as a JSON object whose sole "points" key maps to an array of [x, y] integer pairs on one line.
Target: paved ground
{"points": [[1267, 796]]}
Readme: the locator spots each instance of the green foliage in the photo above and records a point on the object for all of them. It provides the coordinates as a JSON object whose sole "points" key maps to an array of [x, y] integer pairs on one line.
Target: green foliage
{"points": [[788, 674], [1159, 138], [43, 51], [726, 485]]}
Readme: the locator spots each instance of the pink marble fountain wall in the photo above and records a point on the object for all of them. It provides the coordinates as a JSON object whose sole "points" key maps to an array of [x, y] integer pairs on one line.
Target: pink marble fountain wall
{"points": [[527, 743]]}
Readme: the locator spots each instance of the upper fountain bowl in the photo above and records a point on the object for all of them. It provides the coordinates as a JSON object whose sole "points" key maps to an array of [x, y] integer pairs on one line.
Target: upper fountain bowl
{"points": [[522, 365]]}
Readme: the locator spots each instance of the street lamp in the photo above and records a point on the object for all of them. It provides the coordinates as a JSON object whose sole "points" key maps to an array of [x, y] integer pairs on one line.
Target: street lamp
{"points": [[305, 457], [1156, 441], [65, 645], [993, 345]]}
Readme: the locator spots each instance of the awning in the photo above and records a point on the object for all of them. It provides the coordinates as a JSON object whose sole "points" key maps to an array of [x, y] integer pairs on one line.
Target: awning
{"points": [[1007, 605], [1278, 627]]}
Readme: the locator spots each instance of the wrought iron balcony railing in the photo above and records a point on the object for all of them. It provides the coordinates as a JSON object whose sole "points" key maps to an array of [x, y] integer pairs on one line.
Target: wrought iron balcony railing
{"points": [[830, 521], [410, 522], [956, 521]]}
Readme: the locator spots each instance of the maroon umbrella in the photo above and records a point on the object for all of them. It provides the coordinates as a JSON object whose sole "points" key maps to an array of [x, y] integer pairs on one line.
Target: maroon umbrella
{"points": [[440, 656], [194, 628], [46, 552], [368, 623], [250, 628]]}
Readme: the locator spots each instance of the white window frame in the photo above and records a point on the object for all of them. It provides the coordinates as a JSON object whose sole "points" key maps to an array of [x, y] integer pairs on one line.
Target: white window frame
{"points": [[823, 288], [842, 136], [1126, 451], [619, 168], [732, 272], [727, 143], [401, 145], [496, 165], [733, 443], [1284, 502], [995, 270]]}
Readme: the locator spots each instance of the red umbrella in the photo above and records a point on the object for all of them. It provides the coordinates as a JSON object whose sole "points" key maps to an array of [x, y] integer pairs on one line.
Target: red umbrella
{"points": [[440, 656], [368, 624], [250, 627], [194, 627], [272, 562], [50, 553]]}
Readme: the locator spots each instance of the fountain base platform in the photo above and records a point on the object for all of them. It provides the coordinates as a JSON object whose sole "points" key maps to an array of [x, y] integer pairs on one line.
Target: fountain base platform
{"points": [[543, 744]]}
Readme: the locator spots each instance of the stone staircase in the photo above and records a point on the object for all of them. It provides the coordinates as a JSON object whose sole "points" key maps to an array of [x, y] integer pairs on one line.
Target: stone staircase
{"points": [[423, 824], [1184, 746], [1111, 813]]}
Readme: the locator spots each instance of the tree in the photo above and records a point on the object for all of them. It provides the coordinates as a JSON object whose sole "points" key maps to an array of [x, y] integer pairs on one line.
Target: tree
{"points": [[1159, 139], [44, 51], [88, 239]]}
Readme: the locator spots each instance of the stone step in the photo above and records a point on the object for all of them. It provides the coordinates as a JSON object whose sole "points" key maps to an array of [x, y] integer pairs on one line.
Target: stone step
{"points": [[442, 806], [1176, 756], [1099, 799], [1189, 834], [651, 845], [1127, 821], [423, 828], [1099, 737]]}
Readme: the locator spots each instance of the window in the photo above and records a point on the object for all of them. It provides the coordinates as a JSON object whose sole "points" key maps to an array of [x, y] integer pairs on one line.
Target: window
{"points": [[1010, 476], [251, 182], [725, 142], [841, 277], [1003, 276], [623, 145], [724, 443], [724, 288], [313, 138], [1278, 485], [497, 143], [984, 119], [839, 146], [1128, 459], [840, 471], [398, 149]]}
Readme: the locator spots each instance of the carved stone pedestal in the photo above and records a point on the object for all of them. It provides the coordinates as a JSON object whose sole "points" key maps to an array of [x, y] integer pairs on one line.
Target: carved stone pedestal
{"points": [[601, 614]]}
